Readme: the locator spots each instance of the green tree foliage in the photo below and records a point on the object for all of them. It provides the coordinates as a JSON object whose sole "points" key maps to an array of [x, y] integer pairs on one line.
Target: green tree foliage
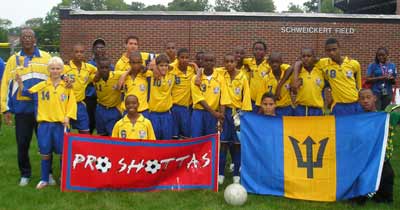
{"points": [[155, 7], [137, 6], [189, 5], [256, 6], [294, 8], [4, 26], [326, 6], [311, 6], [223, 5]]}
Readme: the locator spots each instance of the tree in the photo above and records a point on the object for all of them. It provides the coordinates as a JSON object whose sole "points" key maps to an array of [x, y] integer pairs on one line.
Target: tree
{"points": [[222, 5], [156, 7], [136, 6], [294, 8], [257, 6], [311, 6], [189, 5], [4, 26], [34, 23]]}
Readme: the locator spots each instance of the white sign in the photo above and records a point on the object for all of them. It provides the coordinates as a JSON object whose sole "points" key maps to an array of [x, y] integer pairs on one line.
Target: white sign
{"points": [[316, 30]]}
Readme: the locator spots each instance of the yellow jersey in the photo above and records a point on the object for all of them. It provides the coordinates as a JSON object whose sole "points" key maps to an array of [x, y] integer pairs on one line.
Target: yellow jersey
{"points": [[257, 73], [107, 91], [270, 83], [54, 103], [310, 91], [30, 69], [80, 78], [141, 130], [181, 94], [160, 93], [212, 90], [139, 88], [239, 91], [123, 62], [345, 79]]}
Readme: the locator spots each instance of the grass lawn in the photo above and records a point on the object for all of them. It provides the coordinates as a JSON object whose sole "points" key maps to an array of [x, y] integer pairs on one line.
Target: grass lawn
{"points": [[13, 197]]}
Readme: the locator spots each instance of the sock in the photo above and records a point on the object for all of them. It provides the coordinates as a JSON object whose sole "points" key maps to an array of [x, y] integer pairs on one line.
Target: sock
{"points": [[51, 165], [222, 160], [236, 161], [45, 169]]}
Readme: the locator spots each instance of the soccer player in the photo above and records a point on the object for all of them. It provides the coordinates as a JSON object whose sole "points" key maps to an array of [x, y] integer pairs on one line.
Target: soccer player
{"points": [[56, 105], [239, 94], [367, 100], [81, 74], [99, 51], [199, 59], [170, 50], [240, 53], [258, 68], [160, 101], [343, 75], [136, 82], [209, 99], [268, 104], [309, 99], [133, 125], [183, 72], [132, 44], [31, 65], [270, 84], [108, 97]]}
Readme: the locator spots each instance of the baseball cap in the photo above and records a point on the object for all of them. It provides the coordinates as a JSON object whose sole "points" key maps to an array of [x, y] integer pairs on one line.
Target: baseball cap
{"points": [[99, 41]]}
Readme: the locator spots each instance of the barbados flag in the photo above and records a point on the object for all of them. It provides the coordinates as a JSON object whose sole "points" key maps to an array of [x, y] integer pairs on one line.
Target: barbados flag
{"points": [[313, 158]]}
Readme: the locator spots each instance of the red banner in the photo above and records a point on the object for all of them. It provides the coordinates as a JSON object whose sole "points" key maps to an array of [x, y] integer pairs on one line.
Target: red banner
{"points": [[93, 163]]}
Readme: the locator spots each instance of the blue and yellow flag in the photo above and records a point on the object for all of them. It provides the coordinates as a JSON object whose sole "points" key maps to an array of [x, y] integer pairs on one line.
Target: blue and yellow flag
{"points": [[313, 158]]}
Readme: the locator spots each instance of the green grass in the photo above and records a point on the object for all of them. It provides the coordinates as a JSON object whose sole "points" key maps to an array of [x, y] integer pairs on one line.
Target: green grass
{"points": [[13, 197]]}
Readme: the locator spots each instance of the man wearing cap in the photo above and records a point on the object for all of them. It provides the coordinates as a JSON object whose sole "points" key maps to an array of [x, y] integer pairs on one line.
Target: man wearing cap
{"points": [[98, 49], [31, 65]]}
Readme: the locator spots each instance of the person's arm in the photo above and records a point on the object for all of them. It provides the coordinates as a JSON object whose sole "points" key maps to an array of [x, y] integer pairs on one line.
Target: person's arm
{"points": [[214, 113], [296, 71], [286, 76], [246, 102], [150, 131], [122, 79], [96, 77]]}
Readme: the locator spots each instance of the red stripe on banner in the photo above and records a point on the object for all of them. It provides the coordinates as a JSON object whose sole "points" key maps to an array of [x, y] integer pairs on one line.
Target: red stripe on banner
{"points": [[92, 163]]}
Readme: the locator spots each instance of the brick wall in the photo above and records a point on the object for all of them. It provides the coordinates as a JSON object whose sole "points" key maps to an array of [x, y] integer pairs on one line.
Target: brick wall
{"points": [[220, 32]]}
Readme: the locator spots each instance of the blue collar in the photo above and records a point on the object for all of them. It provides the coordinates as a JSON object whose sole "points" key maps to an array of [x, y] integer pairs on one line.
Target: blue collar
{"points": [[36, 52]]}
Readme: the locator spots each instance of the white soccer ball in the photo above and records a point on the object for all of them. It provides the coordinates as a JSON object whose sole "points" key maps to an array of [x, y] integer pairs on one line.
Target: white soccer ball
{"points": [[235, 194], [103, 164], [152, 166]]}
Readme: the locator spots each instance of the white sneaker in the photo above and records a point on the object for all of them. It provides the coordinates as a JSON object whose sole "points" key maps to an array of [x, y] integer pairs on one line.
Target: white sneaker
{"points": [[236, 179], [51, 180], [231, 167], [221, 179], [41, 185], [24, 181]]}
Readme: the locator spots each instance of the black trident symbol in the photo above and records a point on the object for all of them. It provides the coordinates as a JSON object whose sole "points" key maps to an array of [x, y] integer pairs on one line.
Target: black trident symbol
{"points": [[309, 164]]}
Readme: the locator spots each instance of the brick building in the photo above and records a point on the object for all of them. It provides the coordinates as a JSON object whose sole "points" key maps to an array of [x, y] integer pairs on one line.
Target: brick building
{"points": [[359, 35]]}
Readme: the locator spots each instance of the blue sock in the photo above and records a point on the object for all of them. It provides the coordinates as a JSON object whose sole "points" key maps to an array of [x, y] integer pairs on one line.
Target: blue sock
{"points": [[45, 169], [222, 160], [236, 161], [51, 165]]}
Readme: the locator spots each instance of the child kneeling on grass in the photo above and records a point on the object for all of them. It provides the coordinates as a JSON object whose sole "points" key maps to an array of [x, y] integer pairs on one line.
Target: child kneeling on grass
{"points": [[55, 106]]}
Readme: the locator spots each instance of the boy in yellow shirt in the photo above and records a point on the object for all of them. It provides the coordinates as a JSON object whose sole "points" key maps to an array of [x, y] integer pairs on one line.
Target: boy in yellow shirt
{"points": [[239, 94], [80, 74], [55, 106], [209, 99], [181, 94], [133, 125], [132, 45], [309, 99], [108, 97]]}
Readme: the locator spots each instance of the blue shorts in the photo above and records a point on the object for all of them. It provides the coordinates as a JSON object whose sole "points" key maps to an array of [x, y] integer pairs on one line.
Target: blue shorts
{"points": [[181, 120], [162, 124], [284, 111], [346, 108], [228, 131], [82, 118], [301, 110], [50, 137], [106, 119], [203, 123]]}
